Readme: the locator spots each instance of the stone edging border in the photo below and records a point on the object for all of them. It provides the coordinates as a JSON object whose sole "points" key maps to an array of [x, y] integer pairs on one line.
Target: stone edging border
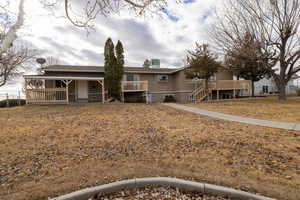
{"points": [[188, 186]]}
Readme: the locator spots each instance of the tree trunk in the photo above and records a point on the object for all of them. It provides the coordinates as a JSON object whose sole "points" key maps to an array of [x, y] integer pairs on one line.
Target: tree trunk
{"points": [[282, 91], [252, 89]]}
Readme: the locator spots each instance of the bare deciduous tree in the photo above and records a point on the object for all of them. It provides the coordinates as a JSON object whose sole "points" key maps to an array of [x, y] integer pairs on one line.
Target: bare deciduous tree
{"points": [[274, 23], [13, 62], [12, 57], [91, 9], [8, 32]]}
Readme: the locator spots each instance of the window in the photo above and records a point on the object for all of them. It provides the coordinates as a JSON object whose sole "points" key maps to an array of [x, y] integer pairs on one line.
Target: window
{"points": [[163, 78], [265, 89], [131, 77], [60, 84]]}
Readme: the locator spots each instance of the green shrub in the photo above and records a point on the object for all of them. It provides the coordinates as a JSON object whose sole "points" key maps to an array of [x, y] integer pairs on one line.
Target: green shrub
{"points": [[12, 103]]}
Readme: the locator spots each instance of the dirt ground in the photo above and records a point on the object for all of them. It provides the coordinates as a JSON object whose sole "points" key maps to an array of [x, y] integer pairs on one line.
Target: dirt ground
{"points": [[265, 108], [46, 151]]}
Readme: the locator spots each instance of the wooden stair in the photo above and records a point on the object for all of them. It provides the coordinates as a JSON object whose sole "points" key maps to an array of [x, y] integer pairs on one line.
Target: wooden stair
{"points": [[198, 94]]}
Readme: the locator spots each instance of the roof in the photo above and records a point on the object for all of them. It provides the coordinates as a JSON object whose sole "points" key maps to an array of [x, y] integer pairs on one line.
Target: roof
{"points": [[141, 70], [45, 77]]}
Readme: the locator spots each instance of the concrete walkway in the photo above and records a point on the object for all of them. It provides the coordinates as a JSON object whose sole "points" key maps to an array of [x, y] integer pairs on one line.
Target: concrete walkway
{"points": [[246, 120]]}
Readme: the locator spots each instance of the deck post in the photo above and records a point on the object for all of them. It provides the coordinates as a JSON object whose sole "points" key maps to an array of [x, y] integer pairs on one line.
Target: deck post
{"points": [[218, 94], [19, 98], [147, 98], [67, 92], [234, 93], [7, 101], [26, 91]]}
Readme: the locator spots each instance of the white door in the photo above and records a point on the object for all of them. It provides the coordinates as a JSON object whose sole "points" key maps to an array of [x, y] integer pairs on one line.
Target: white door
{"points": [[82, 89]]}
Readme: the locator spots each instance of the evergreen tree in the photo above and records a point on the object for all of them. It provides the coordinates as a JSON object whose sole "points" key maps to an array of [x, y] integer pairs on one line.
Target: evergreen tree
{"points": [[202, 63], [114, 64], [246, 60], [109, 60], [147, 63], [119, 69]]}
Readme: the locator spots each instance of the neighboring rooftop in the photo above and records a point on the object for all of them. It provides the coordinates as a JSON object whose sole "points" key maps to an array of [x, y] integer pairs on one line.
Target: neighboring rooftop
{"points": [[77, 68]]}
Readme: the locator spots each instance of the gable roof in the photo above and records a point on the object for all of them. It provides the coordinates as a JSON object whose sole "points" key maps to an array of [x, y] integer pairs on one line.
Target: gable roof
{"points": [[140, 70]]}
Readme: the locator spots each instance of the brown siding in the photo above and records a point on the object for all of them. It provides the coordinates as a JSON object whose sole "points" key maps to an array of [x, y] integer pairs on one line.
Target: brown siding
{"points": [[155, 85], [181, 83]]}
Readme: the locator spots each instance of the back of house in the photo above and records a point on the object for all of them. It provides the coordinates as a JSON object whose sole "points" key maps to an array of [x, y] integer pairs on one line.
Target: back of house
{"points": [[66, 83]]}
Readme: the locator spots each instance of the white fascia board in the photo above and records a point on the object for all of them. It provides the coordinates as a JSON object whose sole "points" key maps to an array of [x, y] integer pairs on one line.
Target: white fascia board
{"points": [[63, 78]]}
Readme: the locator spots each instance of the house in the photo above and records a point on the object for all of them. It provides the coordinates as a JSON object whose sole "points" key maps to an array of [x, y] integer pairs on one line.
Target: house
{"points": [[67, 84], [267, 86]]}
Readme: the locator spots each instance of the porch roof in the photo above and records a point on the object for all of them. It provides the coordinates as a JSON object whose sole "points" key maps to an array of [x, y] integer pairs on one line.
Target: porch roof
{"points": [[45, 77]]}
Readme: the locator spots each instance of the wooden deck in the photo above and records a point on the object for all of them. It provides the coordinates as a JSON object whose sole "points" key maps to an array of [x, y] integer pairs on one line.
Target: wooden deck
{"points": [[134, 86], [229, 85]]}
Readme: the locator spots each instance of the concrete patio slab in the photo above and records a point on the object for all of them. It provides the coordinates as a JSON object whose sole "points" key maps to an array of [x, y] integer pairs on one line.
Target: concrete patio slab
{"points": [[235, 118]]}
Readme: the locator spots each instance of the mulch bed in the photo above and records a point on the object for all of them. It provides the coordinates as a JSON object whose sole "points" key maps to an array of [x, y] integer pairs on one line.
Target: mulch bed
{"points": [[160, 193]]}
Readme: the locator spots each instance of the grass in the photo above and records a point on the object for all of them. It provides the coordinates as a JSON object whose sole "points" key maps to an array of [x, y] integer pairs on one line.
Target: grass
{"points": [[48, 151], [266, 108]]}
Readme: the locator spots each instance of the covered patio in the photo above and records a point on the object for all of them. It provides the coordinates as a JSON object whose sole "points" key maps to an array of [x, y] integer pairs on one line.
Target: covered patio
{"points": [[41, 89]]}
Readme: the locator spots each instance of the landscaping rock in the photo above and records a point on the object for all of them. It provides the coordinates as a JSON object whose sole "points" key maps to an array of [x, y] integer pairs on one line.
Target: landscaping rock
{"points": [[161, 193]]}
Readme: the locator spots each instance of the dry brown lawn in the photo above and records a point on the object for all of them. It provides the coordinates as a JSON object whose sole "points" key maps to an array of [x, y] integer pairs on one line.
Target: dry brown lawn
{"points": [[267, 108], [46, 151]]}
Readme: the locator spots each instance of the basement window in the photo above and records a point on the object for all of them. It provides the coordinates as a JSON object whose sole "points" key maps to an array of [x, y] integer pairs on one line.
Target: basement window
{"points": [[163, 78]]}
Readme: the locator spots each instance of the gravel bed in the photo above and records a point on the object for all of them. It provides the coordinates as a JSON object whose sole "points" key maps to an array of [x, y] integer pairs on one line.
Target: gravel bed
{"points": [[160, 193]]}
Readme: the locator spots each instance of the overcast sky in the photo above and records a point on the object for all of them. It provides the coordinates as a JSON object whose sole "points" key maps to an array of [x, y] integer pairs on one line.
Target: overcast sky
{"points": [[166, 36]]}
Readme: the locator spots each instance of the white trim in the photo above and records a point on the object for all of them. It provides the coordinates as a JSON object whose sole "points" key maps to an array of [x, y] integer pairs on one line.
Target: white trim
{"points": [[162, 81], [102, 71], [63, 78], [144, 72], [73, 70]]}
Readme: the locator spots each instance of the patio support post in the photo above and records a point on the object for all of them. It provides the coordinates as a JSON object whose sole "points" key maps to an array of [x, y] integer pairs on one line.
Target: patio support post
{"points": [[218, 94], [103, 92], [67, 82], [101, 82], [147, 98]]}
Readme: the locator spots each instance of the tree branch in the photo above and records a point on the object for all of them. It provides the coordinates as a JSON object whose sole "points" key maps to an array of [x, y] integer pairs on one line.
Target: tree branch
{"points": [[11, 35]]}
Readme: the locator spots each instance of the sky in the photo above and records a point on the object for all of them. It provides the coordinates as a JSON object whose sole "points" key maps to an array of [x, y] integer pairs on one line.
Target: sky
{"points": [[165, 36]]}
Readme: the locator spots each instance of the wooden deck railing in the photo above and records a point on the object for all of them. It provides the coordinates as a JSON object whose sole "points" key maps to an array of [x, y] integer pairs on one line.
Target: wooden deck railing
{"points": [[229, 84], [134, 86], [49, 95]]}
